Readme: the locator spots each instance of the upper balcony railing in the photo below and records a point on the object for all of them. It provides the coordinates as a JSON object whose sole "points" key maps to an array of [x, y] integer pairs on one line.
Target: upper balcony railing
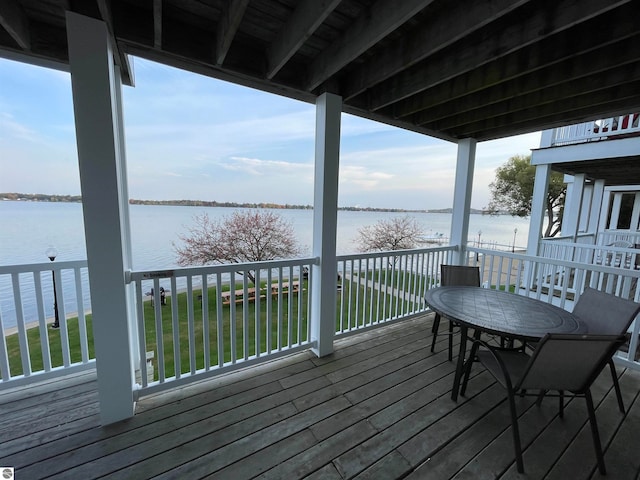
{"points": [[603, 129]]}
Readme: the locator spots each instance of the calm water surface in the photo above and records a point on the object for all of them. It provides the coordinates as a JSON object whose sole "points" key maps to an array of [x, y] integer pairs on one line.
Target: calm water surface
{"points": [[27, 229]]}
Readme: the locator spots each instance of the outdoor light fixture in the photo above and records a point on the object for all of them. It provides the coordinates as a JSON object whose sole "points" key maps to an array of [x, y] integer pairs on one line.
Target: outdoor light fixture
{"points": [[513, 247], [52, 253]]}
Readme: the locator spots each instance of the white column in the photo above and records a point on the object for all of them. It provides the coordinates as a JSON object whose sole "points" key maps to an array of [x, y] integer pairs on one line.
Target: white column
{"points": [[615, 210], [573, 207], [325, 220], [597, 199], [95, 102], [635, 215], [585, 211], [538, 207], [568, 180], [462, 196]]}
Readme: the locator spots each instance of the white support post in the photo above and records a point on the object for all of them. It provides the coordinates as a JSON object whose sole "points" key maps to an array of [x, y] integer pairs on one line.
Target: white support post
{"points": [[607, 199], [538, 207], [325, 221], [615, 210], [597, 199], [462, 196], [95, 102], [573, 207], [635, 215]]}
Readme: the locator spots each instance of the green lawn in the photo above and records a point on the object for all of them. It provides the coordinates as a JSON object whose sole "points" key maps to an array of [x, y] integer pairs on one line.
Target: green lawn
{"points": [[364, 306]]}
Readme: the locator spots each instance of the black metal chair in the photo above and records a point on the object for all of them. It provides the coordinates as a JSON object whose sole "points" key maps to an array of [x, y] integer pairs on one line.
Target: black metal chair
{"points": [[562, 363], [606, 314], [454, 275]]}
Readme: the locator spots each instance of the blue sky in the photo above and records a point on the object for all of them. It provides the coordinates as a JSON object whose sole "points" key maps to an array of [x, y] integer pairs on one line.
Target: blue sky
{"points": [[194, 137]]}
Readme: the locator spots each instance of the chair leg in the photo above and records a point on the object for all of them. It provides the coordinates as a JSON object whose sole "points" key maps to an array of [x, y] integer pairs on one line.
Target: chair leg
{"points": [[561, 401], [594, 433], [467, 367], [450, 356], [616, 385], [434, 329], [541, 395], [516, 432]]}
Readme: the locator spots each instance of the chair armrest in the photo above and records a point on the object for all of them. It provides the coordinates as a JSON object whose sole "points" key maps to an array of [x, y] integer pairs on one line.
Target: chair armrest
{"points": [[499, 361]]}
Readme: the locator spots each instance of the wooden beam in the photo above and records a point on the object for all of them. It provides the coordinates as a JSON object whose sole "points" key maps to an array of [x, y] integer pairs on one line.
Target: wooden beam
{"points": [[371, 27], [15, 22], [458, 21], [463, 111], [570, 96], [121, 58], [307, 17], [574, 110], [468, 93], [228, 26], [157, 24], [559, 16]]}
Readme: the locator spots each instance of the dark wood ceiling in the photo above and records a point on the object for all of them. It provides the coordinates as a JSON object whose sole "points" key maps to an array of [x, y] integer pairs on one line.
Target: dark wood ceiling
{"points": [[448, 68]]}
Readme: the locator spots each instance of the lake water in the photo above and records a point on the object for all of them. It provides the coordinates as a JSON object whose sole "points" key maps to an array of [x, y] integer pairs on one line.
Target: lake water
{"points": [[27, 229]]}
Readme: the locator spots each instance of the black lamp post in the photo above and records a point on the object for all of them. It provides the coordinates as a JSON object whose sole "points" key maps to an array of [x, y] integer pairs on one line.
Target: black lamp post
{"points": [[52, 253], [513, 248]]}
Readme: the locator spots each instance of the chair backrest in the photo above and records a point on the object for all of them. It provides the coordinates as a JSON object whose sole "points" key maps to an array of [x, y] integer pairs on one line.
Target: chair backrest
{"points": [[459, 275], [568, 362], [604, 313]]}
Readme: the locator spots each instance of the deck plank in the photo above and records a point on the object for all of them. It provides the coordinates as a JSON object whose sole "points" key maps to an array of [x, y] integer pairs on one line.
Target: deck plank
{"points": [[378, 407]]}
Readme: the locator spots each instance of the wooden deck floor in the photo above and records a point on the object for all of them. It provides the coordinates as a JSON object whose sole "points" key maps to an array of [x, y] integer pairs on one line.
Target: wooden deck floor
{"points": [[378, 408]]}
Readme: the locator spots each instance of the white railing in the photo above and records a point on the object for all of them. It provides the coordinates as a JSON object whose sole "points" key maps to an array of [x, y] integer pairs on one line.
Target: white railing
{"points": [[208, 320], [559, 282], [222, 319], [376, 288], [30, 347], [603, 129], [609, 237], [619, 254]]}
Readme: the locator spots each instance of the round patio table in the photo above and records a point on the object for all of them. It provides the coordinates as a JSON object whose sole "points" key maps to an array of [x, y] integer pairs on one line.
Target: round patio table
{"points": [[501, 313]]}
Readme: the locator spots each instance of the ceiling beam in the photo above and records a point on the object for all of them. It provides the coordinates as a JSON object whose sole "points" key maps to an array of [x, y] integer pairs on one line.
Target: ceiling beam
{"points": [[230, 19], [443, 67], [307, 17], [472, 90], [157, 24], [624, 98], [456, 22], [121, 58], [370, 27], [582, 93], [15, 22]]}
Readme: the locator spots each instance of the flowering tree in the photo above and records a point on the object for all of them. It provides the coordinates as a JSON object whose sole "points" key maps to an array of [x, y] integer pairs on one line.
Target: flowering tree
{"points": [[244, 236], [399, 233]]}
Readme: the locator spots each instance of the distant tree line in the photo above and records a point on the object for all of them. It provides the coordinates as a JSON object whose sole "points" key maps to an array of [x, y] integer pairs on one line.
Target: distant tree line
{"points": [[40, 197], [214, 203]]}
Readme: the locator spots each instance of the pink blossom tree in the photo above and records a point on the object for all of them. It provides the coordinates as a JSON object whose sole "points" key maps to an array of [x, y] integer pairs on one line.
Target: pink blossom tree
{"points": [[243, 236], [399, 233]]}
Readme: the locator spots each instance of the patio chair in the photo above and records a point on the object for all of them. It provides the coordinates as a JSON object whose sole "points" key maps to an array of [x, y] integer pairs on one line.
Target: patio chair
{"points": [[562, 363], [454, 275], [606, 314]]}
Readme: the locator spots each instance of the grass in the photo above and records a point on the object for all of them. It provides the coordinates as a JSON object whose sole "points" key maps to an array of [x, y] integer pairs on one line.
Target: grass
{"points": [[357, 306], [198, 343]]}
